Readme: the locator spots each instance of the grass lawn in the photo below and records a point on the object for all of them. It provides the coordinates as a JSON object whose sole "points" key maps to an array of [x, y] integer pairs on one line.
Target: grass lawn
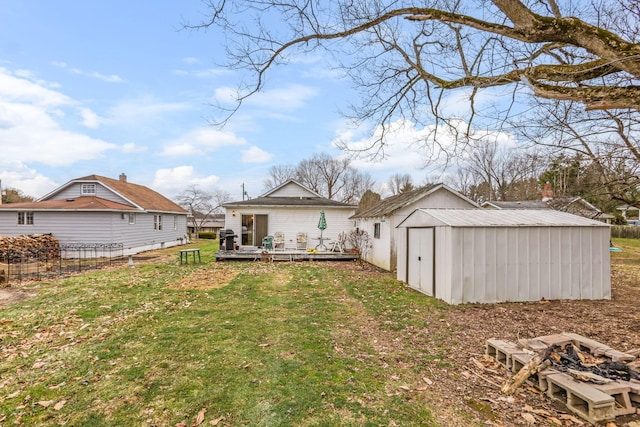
{"points": [[281, 344], [216, 344]]}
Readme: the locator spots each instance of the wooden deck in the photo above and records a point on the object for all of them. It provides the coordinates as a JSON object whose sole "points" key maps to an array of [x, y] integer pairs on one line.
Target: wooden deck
{"points": [[258, 254]]}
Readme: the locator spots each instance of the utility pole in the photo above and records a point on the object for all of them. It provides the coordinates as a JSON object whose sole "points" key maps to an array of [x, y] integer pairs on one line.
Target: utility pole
{"points": [[244, 193]]}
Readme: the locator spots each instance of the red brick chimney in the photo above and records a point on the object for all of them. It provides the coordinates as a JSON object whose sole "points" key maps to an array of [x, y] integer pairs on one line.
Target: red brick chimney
{"points": [[547, 192], [123, 177]]}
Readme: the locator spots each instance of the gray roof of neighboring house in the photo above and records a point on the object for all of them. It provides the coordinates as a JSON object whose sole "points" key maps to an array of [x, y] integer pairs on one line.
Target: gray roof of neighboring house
{"points": [[391, 204], [574, 205], [525, 204], [289, 202]]}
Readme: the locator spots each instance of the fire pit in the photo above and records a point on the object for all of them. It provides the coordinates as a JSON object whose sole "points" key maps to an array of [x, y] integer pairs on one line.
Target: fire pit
{"points": [[593, 380]]}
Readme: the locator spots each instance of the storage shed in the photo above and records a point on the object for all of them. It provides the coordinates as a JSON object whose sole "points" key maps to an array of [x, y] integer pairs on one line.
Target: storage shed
{"points": [[488, 256]]}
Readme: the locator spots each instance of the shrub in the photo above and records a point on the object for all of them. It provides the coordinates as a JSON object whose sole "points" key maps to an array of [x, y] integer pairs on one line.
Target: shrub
{"points": [[207, 235]]}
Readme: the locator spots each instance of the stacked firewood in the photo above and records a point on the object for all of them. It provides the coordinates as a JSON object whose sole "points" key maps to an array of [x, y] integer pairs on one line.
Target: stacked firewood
{"points": [[20, 248]]}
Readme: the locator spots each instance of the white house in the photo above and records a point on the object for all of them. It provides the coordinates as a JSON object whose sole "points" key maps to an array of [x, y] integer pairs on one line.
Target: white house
{"points": [[504, 255], [380, 220], [290, 209], [96, 210]]}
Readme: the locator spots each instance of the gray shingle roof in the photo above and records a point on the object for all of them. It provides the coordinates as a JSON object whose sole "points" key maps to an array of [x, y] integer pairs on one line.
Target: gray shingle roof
{"points": [[391, 204], [289, 201]]}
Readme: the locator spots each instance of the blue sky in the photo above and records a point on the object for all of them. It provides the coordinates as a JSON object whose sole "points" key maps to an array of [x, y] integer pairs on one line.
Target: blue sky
{"points": [[89, 87]]}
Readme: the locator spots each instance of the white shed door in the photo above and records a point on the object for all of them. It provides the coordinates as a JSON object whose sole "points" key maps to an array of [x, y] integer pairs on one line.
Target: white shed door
{"points": [[420, 259]]}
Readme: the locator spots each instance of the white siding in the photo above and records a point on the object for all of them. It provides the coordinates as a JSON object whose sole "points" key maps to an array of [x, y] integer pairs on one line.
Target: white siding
{"points": [[292, 190], [383, 252], [521, 264], [290, 221], [379, 253], [490, 264], [101, 227]]}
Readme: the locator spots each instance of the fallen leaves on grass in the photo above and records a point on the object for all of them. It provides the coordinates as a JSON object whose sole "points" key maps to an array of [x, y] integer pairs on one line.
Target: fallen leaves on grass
{"points": [[215, 277]]}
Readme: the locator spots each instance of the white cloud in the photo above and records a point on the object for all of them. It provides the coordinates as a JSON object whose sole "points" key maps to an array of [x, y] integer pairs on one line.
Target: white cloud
{"points": [[144, 109], [89, 118], [18, 88], [200, 141], [17, 175], [30, 126], [173, 181], [255, 155], [284, 99], [109, 78], [409, 149], [131, 147]]}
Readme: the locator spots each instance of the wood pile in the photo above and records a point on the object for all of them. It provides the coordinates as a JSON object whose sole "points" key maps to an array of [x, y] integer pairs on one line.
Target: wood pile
{"points": [[20, 248]]}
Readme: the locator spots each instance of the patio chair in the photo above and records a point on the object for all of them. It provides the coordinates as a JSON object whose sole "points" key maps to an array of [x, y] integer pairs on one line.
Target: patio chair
{"points": [[301, 241], [267, 242], [278, 240]]}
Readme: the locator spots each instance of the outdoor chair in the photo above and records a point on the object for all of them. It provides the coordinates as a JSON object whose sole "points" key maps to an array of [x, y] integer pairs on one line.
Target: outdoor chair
{"points": [[301, 241], [267, 242], [278, 240]]}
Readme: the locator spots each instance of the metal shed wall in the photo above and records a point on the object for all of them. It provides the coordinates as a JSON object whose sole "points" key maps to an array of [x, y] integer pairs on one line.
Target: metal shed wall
{"points": [[524, 262]]}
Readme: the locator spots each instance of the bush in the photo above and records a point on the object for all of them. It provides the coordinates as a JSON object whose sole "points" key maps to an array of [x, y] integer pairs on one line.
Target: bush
{"points": [[207, 235]]}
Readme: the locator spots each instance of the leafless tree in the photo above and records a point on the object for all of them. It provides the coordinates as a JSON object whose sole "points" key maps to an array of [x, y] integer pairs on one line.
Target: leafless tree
{"points": [[605, 142], [361, 241], [400, 183], [494, 171], [201, 204], [406, 56], [277, 175], [333, 178]]}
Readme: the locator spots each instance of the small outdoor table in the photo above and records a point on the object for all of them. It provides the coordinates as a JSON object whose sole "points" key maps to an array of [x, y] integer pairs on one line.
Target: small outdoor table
{"points": [[184, 255], [321, 246]]}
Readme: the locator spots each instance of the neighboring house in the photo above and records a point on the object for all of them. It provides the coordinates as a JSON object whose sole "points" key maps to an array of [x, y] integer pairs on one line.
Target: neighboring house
{"points": [[573, 205], [290, 208], [95, 210], [380, 220], [629, 212], [212, 224], [505, 255]]}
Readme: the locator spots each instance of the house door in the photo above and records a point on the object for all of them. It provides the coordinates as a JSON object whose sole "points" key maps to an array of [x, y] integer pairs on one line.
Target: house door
{"points": [[421, 259], [262, 227]]}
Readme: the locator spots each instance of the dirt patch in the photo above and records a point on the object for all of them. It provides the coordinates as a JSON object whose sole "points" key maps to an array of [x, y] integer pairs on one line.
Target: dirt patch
{"points": [[10, 296]]}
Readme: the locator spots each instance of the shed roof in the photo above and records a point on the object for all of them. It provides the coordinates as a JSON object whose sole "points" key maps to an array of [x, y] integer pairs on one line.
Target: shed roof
{"points": [[391, 204], [496, 218]]}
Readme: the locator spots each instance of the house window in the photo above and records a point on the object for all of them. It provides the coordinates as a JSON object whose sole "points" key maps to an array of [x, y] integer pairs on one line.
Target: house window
{"points": [[157, 222], [376, 230], [175, 222], [25, 218], [132, 218], [88, 189]]}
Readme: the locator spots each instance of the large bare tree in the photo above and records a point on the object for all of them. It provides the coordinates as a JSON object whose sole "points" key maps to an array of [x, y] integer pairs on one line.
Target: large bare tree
{"points": [[333, 178], [413, 60], [405, 53], [202, 204], [604, 141]]}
